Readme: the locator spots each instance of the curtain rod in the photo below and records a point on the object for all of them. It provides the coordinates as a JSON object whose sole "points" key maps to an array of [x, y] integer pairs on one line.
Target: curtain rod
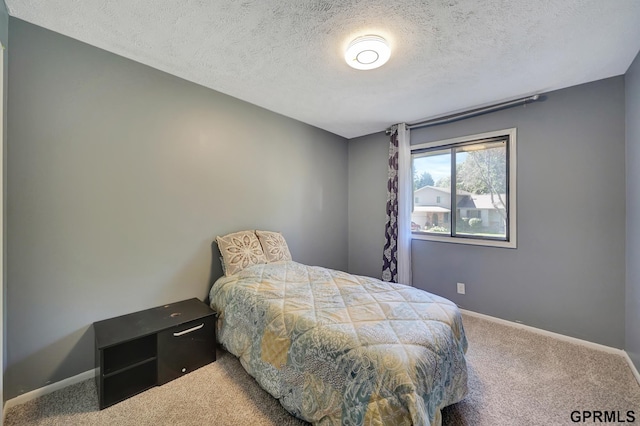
{"points": [[470, 113]]}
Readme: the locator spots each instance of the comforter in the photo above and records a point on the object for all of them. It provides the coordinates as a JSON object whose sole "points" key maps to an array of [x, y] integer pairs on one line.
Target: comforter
{"points": [[336, 348]]}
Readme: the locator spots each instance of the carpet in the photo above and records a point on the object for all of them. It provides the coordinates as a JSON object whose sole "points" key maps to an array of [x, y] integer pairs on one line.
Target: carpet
{"points": [[516, 377]]}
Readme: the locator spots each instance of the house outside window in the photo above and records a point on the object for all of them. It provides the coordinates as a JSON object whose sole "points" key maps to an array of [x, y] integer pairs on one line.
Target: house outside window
{"points": [[473, 196]]}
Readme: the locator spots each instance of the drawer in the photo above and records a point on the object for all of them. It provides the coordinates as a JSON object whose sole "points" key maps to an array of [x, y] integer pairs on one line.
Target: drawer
{"points": [[185, 348]]}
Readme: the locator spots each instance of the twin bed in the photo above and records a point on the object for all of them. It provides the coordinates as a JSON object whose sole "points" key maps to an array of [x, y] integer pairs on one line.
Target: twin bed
{"points": [[337, 348]]}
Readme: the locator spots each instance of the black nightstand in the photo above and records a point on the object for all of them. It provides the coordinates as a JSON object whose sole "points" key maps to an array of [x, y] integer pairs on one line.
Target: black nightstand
{"points": [[137, 351]]}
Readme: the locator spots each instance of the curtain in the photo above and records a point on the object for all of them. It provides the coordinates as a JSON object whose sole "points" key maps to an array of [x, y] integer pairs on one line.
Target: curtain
{"points": [[396, 265]]}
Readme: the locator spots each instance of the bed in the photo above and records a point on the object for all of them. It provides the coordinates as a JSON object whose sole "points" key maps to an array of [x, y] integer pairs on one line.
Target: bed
{"points": [[336, 348]]}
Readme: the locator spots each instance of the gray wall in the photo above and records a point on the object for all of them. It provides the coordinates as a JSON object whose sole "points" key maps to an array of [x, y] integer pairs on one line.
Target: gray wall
{"points": [[119, 179], [632, 98], [367, 203], [567, 274]]}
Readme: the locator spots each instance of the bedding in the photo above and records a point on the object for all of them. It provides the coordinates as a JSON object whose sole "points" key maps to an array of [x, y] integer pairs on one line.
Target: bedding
{"points": [[337, 348]]}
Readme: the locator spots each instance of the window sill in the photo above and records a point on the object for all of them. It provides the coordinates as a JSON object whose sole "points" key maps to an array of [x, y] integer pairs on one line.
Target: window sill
{"points": [[467, 241]]}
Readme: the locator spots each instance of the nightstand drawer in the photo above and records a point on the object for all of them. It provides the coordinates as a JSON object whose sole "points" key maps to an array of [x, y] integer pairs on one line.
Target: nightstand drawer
{"points": [[184, 348]]}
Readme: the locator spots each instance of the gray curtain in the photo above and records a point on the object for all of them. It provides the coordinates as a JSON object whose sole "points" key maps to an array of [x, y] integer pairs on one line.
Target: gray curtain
{"points": [[390, 254]]}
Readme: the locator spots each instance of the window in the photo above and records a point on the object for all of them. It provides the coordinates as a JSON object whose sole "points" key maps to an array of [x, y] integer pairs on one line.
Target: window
{"points": [[472, 200]]}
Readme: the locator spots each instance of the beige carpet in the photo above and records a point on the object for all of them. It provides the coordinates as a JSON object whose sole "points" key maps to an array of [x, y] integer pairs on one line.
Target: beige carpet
{"points": [[515, 378]]}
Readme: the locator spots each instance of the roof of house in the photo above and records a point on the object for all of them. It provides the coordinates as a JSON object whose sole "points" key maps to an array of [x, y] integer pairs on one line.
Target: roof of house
{"points": [[481, 202], [444, 190], [430, 209]]}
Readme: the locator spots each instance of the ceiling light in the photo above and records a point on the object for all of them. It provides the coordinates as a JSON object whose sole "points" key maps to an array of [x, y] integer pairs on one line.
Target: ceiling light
{"points": [[367, 52]]}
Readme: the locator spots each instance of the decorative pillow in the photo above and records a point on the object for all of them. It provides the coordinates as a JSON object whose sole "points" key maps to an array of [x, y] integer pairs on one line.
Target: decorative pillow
{"points": [[239, 250], [274, 246]]}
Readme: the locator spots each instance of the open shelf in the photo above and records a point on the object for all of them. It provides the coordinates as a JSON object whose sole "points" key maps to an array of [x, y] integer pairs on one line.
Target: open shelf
{"points": [[130, 367], [126, 355], [124, 384]]}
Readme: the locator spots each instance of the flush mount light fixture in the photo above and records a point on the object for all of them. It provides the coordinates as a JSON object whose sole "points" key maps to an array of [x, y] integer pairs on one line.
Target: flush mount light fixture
{"points": [[367, 52]]}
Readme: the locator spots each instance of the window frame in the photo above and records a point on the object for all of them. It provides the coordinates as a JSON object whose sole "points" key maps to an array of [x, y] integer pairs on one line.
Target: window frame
{"points": [[511, 241]]}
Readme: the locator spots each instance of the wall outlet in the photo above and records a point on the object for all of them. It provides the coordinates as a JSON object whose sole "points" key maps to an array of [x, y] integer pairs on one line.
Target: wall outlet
{"points": [[461, 289]]}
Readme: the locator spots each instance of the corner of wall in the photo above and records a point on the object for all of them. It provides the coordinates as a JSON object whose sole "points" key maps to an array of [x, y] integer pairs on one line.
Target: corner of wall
{"points": [[632, 193]]}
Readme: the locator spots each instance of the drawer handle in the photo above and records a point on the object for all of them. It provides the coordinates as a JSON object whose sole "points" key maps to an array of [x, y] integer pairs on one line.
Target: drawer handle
{"points": [[180, 333]]}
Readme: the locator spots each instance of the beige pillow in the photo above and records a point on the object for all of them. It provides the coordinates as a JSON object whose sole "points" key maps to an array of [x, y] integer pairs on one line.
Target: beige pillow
{"points": [[274, 246], [240, 250]]}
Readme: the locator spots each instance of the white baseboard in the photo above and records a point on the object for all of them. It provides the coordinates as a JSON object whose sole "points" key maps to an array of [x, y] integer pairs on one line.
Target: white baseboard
{"points": [[559, 336], [25, 397], [634, 370]]}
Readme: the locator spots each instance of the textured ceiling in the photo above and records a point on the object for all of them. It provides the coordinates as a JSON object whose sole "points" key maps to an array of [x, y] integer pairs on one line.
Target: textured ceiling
{"points": [[287, 55]]}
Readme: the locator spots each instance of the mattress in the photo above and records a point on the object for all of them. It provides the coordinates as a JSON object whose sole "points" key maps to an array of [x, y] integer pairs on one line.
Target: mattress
{"points": [[336, 348]]}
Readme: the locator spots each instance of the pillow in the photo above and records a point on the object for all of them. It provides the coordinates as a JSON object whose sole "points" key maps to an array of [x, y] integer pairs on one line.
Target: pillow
{"points": [[240, 250], [274, 246]]}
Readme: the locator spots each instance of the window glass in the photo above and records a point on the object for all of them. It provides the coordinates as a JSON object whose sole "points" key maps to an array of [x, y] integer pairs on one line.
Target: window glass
{"points": [[431, 189], [481, 189], [462, 189]]}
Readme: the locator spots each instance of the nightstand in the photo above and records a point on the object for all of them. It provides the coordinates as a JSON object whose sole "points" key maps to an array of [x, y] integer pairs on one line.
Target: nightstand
{"points": [[137, 351]]}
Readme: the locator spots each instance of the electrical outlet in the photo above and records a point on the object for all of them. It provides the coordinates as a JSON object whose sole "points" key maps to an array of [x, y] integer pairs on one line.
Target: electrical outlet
{"points": [[461, 289]]}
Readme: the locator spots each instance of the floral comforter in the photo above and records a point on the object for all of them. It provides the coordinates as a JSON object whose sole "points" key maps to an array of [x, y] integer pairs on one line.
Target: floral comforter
{"points": [[336, 348]]}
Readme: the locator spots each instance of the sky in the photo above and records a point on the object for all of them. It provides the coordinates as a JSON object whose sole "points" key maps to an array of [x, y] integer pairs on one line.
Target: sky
{"points": [[438, 166]]}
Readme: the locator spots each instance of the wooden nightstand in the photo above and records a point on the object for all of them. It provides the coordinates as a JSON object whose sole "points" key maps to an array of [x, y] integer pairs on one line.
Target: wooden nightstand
{"points": [[137, 351]]}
